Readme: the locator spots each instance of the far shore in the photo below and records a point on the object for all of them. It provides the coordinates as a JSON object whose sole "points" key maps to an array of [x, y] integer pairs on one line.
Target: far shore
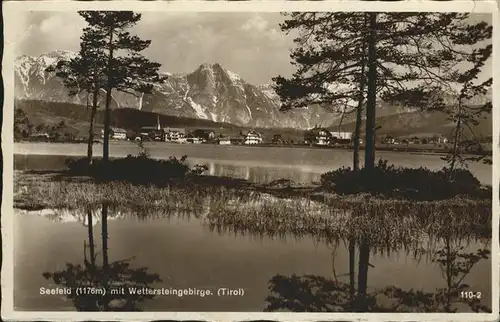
{"points": [[302, 161], [415, 150]]}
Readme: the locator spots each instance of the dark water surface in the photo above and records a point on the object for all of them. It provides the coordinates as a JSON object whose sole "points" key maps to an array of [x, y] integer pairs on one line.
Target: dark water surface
{"points": [[187, 254], [257, 164]]}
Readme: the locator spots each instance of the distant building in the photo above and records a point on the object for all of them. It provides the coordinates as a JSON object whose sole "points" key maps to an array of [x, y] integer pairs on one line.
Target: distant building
{"points": [[40, 135], [437, 140], [341, 135], [389, 140], [252, 137], [205, 135], [317, 136], [323, 137], [116, 133], [225, 141], [193, 139], [174, 134], [44, 137], [152, 133]]}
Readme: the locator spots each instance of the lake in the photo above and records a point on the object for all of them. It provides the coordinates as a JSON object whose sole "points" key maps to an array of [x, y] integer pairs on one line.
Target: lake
{"points": [[257, 164], [185, 253]]}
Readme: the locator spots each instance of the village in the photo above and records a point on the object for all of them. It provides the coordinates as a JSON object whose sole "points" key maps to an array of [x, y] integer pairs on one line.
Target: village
{"points": [[316, 136]]}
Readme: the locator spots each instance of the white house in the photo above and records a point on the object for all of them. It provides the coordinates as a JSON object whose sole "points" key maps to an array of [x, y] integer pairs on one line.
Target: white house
{"points": [[322, 138], [253, 137], [225, 141], [193, 139], [341, 135], [174, 134], [116, 133], [442, 140]]}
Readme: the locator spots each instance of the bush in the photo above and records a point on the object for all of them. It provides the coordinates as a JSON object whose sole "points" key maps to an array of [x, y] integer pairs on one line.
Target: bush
{"points": [[417, 184], [135, 169]]}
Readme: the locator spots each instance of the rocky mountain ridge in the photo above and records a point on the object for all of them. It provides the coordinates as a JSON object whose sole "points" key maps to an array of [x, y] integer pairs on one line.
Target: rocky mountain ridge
{"points": [[211, 92]]}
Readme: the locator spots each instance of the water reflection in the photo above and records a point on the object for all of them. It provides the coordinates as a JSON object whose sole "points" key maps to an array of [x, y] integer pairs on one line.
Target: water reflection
{"points": [[442, 232], [103, 287], [301, 278], [261, 174], [313, 293]]}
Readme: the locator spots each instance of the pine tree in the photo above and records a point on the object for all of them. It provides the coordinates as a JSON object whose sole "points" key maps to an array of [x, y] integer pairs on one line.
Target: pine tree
{"points": [[84, 73], [465, 115], [409, 58], [329, 44], [125, 69]]}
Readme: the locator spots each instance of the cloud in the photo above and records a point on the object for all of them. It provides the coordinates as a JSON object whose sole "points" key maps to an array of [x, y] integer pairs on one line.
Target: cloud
{"points": [[50, 31], [256, 23], [51, 24], [265, 30], [247, 43]]}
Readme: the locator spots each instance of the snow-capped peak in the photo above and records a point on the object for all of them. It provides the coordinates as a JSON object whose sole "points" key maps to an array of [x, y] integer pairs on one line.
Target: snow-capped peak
{"points": [[217, 69], [233, 76], [210, 92], [268, 90]]}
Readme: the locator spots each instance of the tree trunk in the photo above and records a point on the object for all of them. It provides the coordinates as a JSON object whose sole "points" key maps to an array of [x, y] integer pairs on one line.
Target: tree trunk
{"points": [[456, 139], [372, 92], [359, 110], [364, 258], [90, 228], [109, 88], [105, 261], [352, 286], [357, 130], [91, 237], [104, 234], [90, 142], [364, 248]]}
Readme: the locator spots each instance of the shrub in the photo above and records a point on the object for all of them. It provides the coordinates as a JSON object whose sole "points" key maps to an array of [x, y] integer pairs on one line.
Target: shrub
{"points": [[135, 169], [390, 181]]}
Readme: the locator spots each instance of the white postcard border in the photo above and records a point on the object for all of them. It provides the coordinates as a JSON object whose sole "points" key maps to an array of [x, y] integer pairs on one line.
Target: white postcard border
{"points": [[10, 35]]}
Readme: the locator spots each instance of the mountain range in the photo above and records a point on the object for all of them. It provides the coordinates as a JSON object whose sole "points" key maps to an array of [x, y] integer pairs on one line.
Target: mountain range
{"points": [[210, 93]]}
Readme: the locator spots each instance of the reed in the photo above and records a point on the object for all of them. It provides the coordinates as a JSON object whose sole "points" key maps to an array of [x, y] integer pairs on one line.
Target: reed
{"points": [[387, 224]]}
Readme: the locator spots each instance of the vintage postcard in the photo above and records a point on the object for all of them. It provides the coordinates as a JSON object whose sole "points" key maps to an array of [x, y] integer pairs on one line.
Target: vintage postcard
{"points": [[230, 161]]}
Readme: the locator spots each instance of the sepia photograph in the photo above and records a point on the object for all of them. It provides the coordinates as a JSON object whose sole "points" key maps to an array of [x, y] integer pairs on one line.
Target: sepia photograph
{"points": [[262, 161]]}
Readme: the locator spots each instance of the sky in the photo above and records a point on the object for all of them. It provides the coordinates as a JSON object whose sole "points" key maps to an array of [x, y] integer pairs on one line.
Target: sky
{"points": [[247, 43]]}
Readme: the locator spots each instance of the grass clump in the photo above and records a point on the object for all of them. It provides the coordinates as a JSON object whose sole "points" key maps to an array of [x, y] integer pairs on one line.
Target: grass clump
{"points": [[135, 169], [405, 183], [139, 199], [388, 224]]}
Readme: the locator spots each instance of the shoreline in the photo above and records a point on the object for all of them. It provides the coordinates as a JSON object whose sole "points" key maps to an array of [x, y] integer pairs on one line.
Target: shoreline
{"points": [[254, 203], [386, 149], [300, 165]]}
